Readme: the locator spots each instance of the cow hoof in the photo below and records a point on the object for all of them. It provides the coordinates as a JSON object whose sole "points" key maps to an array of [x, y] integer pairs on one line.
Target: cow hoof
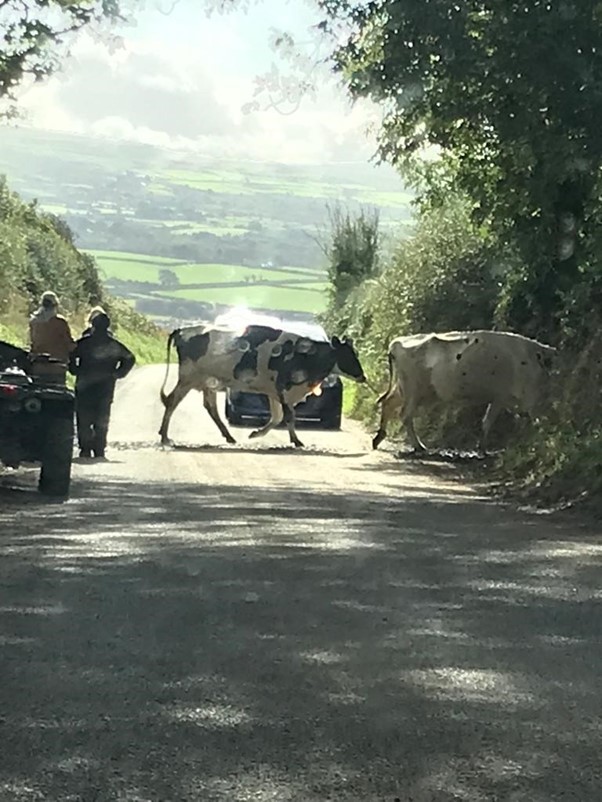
{"points": [[298, 444], [378, 438], [231, 441], [167, 443], [255, 433]]}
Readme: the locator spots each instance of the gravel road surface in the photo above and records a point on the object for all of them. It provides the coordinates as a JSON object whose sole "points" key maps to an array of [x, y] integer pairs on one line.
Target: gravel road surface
{"points": [[230, 623]]}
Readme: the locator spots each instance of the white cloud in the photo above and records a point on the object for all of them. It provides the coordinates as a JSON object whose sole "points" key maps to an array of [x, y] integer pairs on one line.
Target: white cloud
{"points": [[175, 94]]}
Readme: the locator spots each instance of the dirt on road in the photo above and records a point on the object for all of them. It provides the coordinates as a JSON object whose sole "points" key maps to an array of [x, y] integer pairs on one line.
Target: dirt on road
{"points": [[251, 622]]}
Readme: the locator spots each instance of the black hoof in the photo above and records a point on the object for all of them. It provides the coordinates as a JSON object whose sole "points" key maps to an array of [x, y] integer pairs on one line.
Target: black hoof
{"points": [[377, 440]]}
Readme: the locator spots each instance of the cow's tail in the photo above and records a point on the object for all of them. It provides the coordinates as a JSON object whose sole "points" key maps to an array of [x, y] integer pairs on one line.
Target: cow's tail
{"points": [[170, 342], [391, 379]]}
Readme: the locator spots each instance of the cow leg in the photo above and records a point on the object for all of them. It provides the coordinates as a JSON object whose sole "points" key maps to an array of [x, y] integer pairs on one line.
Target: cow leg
{"points": [[210, 404], [415, 441], [491, 415], [407, 418], [276, 415], [391, 405], [289, 419], [177, 395]]}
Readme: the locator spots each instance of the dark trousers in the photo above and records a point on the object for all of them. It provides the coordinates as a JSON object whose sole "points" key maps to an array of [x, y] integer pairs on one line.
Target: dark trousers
{"points": [[93, 408]]}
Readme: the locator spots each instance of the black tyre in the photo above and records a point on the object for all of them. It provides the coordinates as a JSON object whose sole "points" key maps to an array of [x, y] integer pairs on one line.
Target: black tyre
{"points": [[55, 476]]}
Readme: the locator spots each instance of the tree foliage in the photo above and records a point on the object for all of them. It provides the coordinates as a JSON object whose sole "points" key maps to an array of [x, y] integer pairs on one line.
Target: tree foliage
{"points": [[510, 94], [168, 279], [444, 277], [33, 32], [352, 250], [37, 252]]}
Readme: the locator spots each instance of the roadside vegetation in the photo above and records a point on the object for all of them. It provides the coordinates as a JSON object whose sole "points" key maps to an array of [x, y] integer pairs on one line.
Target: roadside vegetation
{"points": [[37, 253], [508, 205]]}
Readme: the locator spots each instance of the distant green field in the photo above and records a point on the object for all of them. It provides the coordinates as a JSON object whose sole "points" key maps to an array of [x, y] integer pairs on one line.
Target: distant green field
{"points": [[54, 208], [182, 227], [232, 182], [259, 296], [125, 256], [132, 267]]}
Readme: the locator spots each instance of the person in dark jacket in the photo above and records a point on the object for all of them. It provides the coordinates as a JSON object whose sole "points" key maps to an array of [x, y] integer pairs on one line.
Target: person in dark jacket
{"points": [[96, 310], [97, 362]]}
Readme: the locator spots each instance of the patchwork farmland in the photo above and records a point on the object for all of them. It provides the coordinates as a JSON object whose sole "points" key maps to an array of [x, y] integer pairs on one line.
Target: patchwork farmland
{"points": [[181, 236], [155, 282]]}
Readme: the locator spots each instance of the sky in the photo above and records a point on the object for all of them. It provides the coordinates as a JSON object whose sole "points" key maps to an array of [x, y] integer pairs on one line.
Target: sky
{"points": [[182, 80]]}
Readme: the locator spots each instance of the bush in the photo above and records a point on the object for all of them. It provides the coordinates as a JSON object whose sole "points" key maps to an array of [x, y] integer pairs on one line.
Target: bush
{"points": [[560, 457], [444, 278], [37, 253]]}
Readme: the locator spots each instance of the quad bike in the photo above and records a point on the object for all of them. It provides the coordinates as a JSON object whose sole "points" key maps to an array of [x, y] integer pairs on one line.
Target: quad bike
{"points": [[36, 419]]}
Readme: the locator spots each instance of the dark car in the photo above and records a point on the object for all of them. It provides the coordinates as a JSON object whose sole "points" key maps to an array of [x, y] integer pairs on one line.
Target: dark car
{"points": [[322, 408], [36, 425]]}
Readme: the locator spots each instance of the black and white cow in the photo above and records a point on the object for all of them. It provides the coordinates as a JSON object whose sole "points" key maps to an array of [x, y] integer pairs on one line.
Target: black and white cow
{"points": [[286, 367]]}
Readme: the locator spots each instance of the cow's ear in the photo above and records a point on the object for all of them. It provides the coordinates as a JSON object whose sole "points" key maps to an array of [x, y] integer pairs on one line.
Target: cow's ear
{"points": [[335, 341]]}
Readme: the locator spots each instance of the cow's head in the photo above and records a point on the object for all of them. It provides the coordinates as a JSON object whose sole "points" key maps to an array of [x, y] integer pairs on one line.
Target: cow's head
{"points": [[347, 361], [547, 357]]}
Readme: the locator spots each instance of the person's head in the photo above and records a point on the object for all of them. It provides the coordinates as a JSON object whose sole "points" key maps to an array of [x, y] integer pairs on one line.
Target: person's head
{"points": [[94, 312], [100, 323], [49, 300]]}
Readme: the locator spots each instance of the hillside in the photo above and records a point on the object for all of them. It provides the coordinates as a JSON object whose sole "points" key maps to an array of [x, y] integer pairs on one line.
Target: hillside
{"points": [[227, 232], [37, 252]]}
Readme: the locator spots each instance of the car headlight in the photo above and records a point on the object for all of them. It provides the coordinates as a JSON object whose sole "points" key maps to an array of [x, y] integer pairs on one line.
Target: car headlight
{"points": [[330, 381]]}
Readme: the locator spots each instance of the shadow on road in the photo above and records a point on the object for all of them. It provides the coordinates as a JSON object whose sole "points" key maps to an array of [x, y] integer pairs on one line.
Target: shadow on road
{"points": [[284, 450], [228, 643]]}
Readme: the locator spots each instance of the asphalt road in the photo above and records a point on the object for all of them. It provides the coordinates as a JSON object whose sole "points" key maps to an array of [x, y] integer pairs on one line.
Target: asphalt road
{"points": [[233, 623]]}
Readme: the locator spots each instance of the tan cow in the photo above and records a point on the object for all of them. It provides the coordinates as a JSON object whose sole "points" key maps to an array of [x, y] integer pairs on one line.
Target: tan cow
{"points": [[494, 368]]}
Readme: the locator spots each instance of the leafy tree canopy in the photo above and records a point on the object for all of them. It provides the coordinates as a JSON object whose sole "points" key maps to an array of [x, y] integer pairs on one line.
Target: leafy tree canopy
{"points": [[511, 95], [33, 32]]}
